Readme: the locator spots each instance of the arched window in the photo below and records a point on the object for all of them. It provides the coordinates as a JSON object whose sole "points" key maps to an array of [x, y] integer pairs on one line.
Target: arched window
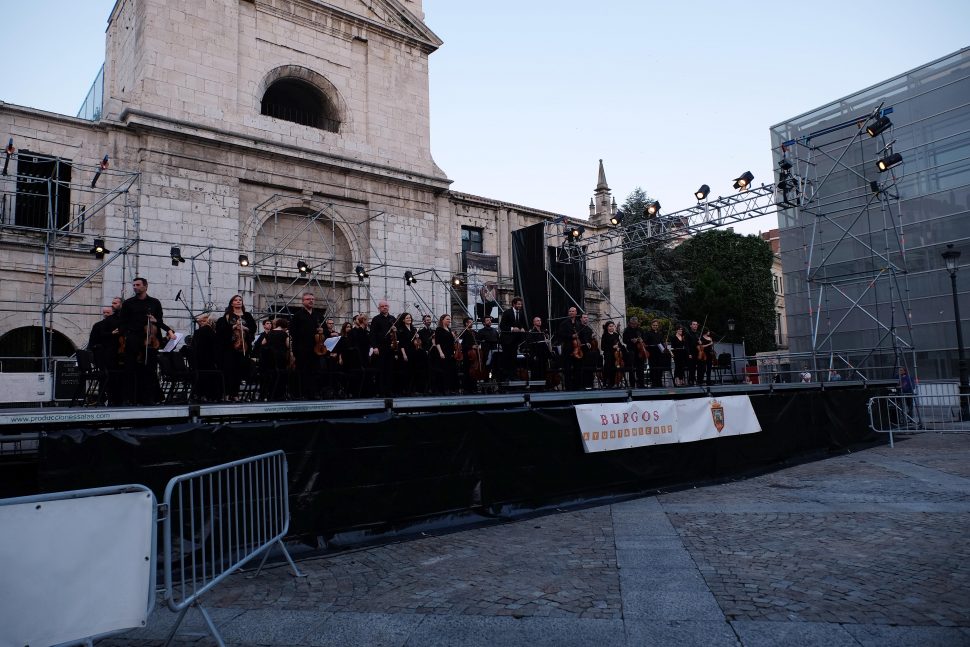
{"points": [[19, 345], [300, 102]]}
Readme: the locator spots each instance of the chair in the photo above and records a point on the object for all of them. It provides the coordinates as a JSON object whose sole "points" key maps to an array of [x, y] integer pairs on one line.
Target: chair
{"points": [[176, 376], [724, 364], [90, 379]]}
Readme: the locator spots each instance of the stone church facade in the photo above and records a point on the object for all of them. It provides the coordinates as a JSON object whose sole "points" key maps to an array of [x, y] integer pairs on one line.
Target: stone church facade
{"points": [[259, 147]]}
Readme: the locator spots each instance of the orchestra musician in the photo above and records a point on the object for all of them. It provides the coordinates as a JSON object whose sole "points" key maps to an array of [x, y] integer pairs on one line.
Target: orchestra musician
{"points": [[420, 357], [471, 353], [570, 350], [705, 357], [691, 338], [636, 352], [274, 361], [443, 367], [512, 327], [103, 344], [383, 356], [235, 331], [203, 357], [488, 339], [658, 352], [678, 346], [405, 363], [358, 359], [141, 324], [592, 356], [539, 349], [613, 351], [303, 330]]}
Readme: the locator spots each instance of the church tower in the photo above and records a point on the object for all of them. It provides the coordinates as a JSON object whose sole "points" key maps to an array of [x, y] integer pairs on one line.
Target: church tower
{"points": [[602, 206]]}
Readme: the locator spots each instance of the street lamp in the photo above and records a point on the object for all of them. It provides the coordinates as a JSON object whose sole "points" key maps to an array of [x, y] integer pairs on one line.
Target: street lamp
{"points": [[952, 259]]}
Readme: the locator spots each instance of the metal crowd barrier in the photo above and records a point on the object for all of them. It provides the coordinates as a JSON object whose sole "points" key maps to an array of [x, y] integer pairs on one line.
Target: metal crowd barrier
{"points": [[215, 521], [77, 566], [934, 409]]}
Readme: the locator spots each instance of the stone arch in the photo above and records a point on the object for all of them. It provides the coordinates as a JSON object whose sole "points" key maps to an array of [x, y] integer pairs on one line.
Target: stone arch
{"points": [[21, 349], [300, 95]]}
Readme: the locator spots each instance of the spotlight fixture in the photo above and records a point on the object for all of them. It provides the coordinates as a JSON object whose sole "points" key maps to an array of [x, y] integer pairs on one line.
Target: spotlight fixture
{"points": [[744, 181], [102, 166], [409, 278], [889, 161], [176, 255], [702, 192], [617, 218], [457, 282], [361, 274], [653, 209], [302, 266], [784, 164], [98, 249], [576, 232], [243, 260], [878, 126], [874, 187]]}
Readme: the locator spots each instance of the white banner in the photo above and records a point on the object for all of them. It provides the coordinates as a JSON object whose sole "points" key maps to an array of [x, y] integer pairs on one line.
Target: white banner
{"points": [[609, 426]]}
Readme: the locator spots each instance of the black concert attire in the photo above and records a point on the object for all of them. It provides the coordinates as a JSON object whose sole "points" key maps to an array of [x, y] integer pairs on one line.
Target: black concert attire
{"points": [[209, 385], [420, 359], [103, 344], [609, 344], [572, 366], [592, 359], [443, 366], [537, 344], [234, 344], [635, 362], [488, 338], [704, 366], [404, 364], [511, 341], [691, 341], [678, 346], [469, 341], [141, 360], [274, 363], [358, 362], [659, 357], [303, 330], [380, 327]]}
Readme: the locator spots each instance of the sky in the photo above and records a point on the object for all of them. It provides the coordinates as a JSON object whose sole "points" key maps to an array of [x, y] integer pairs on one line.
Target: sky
{"points": [[528, 95]]}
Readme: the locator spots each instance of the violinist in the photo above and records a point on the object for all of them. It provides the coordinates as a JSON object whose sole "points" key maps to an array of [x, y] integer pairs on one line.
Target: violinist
{"points": [[303, 329], [659, 354], [539, 350], [203, 359], [613, 352], [418, 357], [570, 350], [235, 331], [358, 359], [678, 346], [275, 360], [141, 324], [103, 344], [488, 338], [705, 357], [592, 356], [443, 369], [691, 337], [636, 353], [380, 331], [512, 327]]}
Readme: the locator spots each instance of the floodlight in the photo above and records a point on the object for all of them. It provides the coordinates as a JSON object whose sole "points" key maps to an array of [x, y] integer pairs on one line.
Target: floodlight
{"points": [[176, 255], [576, 232], [889, 161], [878, 126], [702, 192], [617, 218], [361, 274], [409, 278], [653, 209], [244, 260], [303, 268], [98, 248], [744, 181]]}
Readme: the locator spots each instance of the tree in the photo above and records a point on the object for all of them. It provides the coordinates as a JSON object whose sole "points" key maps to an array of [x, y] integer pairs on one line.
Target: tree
{"points": [[731, 280], [652, 275]]}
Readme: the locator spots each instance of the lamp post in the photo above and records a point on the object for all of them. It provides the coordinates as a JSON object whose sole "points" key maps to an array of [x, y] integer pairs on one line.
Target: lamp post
{"points": [[952, 259]]}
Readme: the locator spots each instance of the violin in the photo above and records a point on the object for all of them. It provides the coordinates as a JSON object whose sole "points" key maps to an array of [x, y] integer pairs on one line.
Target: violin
{"points": [[459, 355], [594, 345], [577, 347], [641, 348], [151, 334], [394, 342], [620, 364], [319, 347], [239, 336]]}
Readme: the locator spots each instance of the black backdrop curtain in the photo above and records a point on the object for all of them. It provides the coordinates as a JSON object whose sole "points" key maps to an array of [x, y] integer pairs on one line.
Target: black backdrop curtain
{"points": [[529, 270]]}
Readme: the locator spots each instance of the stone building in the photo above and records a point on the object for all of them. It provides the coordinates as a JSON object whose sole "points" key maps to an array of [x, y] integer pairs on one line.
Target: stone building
{"points": [[259, 147]]}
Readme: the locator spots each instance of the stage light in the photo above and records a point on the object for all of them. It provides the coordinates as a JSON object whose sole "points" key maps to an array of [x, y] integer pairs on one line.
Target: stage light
{"points": [[874, 187], [889, 161], [878, 126], [457, 282], [576, 232], [409, 278], [101, 167], [361, 274], [302, 266], [176, 255], [653, 209], [784, 164], [617, 218], [744, 181], [244, 260], [702, 192], [98, 249]]}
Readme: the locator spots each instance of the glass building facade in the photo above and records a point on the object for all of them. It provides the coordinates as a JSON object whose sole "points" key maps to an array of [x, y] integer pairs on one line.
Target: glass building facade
{"points": [[865, 285]]}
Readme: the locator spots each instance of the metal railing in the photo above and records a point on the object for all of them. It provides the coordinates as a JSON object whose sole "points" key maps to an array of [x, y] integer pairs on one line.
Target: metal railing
{"points": [[217, 520], [937, 407]]}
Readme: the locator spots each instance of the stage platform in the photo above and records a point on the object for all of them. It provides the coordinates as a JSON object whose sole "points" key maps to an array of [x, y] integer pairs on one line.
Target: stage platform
{"points": [[366, 470]]}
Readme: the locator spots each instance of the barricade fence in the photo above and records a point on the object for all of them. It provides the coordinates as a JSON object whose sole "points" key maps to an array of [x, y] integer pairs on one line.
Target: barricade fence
{"points": [[938, 408], [218, 519]]}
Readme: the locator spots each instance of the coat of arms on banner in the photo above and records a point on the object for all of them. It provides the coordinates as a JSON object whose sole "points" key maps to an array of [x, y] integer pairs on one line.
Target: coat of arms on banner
{"points": [[717, 413]]}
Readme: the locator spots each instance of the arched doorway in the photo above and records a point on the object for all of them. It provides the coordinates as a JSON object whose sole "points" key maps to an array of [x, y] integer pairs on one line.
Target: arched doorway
{"points": [[22, 349]]}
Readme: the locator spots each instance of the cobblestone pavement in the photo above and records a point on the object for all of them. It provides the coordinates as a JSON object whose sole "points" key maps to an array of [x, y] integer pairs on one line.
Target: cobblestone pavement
{"points": [[867, 548]]}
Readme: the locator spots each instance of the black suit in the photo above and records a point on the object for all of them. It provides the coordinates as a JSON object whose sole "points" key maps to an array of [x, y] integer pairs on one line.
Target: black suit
{"points": [[511, 341], [303, 328]]}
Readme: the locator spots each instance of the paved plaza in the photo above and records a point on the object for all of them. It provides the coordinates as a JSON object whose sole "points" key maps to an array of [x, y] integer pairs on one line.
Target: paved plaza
{"points": [[868, 548]]}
